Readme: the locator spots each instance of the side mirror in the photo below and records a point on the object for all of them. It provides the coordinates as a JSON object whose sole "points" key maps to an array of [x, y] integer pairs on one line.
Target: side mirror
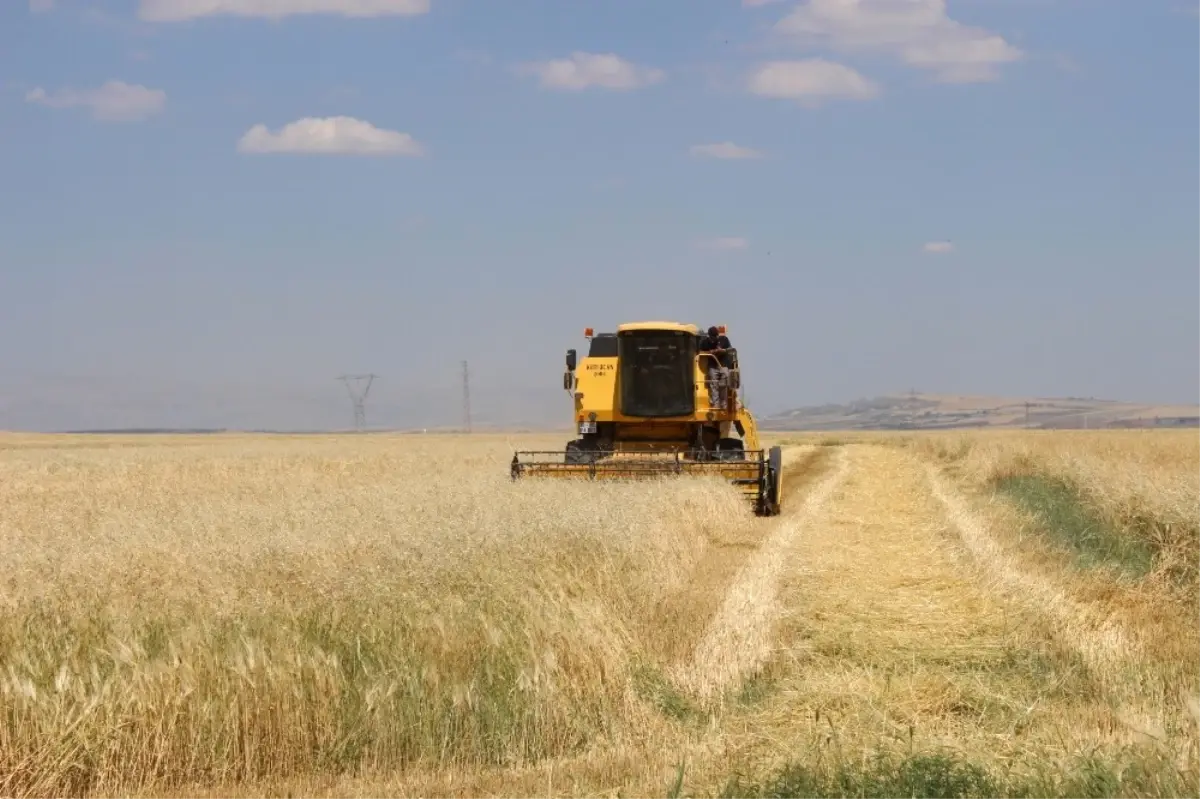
{"points": [[567, 381], [571, 360]]}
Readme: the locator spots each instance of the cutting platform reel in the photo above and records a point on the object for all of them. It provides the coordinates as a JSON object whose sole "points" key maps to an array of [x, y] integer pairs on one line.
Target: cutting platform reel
{"points": [[758, 474]]}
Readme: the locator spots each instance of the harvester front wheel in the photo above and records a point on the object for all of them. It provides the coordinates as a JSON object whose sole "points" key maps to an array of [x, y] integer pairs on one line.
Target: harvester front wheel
{"points": [[730, 449], [581, 452]]}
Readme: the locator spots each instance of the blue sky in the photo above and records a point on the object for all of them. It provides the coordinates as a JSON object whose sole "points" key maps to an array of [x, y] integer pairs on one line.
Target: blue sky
{"points": [[213, 208]]}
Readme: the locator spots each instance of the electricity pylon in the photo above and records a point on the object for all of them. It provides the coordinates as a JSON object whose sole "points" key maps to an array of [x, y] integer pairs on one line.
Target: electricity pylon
{"points": [[359, 398]]}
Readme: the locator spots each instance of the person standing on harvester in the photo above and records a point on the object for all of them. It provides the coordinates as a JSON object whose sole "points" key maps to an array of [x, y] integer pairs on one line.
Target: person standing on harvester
{"points": [[717, 368]]}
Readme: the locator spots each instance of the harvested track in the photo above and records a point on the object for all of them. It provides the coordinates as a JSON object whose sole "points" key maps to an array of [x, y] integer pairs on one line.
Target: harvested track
{"points": [[738, 638], [727, 555]]}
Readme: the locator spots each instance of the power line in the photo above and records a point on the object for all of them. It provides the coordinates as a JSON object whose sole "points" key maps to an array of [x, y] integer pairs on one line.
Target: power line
{"points": [[466, 390], [359, 398]]}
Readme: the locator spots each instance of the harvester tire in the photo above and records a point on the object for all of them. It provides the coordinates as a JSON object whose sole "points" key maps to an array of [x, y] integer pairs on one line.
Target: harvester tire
{"points": [[580, 452], [730, 449]]}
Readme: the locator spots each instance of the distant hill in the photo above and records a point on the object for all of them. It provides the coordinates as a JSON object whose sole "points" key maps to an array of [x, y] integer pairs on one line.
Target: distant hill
{"points": [[952, 411], [148, 431], [888, 412]]}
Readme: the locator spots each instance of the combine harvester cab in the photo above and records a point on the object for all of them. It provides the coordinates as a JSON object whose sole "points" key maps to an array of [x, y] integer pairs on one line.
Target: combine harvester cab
{"points": [[643, 411]]}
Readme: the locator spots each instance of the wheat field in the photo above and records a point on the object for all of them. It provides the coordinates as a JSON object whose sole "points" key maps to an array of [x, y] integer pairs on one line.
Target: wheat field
{"points": [[941, 614]]}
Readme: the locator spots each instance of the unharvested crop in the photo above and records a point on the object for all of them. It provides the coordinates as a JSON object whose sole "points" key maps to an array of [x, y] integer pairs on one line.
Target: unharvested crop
{"points": [[254, 610]]}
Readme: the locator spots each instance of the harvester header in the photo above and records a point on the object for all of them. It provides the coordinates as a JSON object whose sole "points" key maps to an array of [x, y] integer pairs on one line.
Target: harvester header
{"points": [[658, 398]]}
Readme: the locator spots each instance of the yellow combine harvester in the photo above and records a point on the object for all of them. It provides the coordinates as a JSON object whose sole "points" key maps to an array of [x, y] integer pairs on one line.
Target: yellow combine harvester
{"points": [[643, 410]]}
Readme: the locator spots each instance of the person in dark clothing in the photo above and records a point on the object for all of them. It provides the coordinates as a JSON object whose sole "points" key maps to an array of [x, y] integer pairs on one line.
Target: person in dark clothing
{"points": [[717, 343], [717, 368]]}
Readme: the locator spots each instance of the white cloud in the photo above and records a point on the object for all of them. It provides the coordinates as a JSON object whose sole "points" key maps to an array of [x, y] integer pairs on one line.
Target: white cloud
{"points": [[183, 10], [938, 247], [723, 150], [330, 135], [585, 70], [918, 32], [725, 243], [115, 101], [810, 80]]}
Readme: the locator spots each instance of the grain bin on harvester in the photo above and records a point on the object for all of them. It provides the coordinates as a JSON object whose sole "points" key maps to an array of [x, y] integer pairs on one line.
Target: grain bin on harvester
{"points": [[643, 410]]}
